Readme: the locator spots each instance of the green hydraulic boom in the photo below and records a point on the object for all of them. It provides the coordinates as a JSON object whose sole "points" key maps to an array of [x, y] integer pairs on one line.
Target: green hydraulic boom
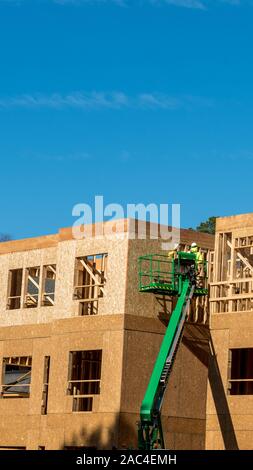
{"points": [[182, 277]]}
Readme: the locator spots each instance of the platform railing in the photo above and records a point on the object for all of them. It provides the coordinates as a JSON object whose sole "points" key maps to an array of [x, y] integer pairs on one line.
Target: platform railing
{"points": [[157, 271]]}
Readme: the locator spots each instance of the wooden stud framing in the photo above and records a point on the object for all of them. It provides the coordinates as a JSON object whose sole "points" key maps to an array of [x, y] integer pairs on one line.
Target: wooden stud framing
{"points": [[232, 287]]}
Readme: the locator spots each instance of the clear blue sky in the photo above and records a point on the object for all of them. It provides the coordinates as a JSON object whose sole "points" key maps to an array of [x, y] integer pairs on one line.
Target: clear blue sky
{"points": [[139, 101]]}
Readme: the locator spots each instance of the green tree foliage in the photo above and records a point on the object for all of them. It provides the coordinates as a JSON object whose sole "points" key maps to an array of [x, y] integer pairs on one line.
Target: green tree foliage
{"points": [[208, 226]]}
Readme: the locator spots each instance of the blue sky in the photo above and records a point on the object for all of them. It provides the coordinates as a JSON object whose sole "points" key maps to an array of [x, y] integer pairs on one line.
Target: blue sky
{"points": [[139, 101]]}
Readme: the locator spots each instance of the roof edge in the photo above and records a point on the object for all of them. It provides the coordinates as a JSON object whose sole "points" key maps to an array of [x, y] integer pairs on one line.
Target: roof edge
{"points": [[98, 229]]}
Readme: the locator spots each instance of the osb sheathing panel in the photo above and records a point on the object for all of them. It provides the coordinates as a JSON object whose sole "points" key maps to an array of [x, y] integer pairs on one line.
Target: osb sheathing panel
{"points": [[236, 422], [56, 330], [214, 440], [65, 424], [59, 430], [140, 350], [139, 303], [230, 330], [64, 234], [184, 433], [114, 298], [64, 258], [46, 241], [23, 332], [33, 439], [188, 441], [139, 229], [122, 266], [18, 348], [57, 327], [243, 232], [240, 422], [136, 323], [42, 347], [58, 347], [13, 430], [91, 429], [179, 433], [245, 339], [220, 340], [241, 405], [64, 279], [245, 439], [186, 394], [101, 229], [14, 407], [24, 260], [241, 221], [232, 321], [110, 343], [185, 399]]}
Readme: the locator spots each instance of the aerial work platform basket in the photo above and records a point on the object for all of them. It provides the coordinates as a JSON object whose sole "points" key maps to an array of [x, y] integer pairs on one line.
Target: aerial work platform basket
{"points": [[160, 274]]}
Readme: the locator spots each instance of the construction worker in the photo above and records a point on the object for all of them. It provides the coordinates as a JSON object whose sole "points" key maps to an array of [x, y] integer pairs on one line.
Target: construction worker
{"points": [[199, 258], [195, 249], [172, 253]]}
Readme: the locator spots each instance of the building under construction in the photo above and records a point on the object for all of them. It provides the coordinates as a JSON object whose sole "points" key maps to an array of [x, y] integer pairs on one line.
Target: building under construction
{"points": [[78, 341]]}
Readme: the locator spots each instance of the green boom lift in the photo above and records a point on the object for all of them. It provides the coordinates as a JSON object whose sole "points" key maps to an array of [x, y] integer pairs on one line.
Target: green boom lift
{"points": [[183, 277]]}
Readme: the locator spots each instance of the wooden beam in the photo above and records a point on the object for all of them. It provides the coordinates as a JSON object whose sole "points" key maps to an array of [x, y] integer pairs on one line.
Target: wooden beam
{"points": [[88, 269], [242, 258]]}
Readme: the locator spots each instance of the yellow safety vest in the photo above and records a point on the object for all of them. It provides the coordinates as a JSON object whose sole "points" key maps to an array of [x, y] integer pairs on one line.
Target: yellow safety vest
{"points": [[171, 254], [199, 256]]}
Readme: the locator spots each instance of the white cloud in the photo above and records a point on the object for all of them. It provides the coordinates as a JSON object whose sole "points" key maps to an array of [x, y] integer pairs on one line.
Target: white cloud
{"points": [[60, 157], [120, 3], [195, 4], [72, 100], [190, 4], [158, 100], [199, 4], [104, 100], [81, 2]]}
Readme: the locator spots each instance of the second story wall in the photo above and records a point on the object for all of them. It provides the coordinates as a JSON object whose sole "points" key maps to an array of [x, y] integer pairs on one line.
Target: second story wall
{"points": [[55, 277], [87, 276]]}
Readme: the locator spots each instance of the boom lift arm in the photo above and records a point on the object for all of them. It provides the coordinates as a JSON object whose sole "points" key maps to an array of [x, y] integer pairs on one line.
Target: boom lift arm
{"points": [[150, 430], [150, 434]]}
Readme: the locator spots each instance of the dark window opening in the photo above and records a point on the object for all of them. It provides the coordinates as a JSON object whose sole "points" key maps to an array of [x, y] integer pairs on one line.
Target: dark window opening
{"points": [[14, 289], [82, 404], [16, 377], [45, 385], [89, 307], [84, 378], [90, 279], [48, 286], [31, 299], [241, 371], [37, 288]]}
